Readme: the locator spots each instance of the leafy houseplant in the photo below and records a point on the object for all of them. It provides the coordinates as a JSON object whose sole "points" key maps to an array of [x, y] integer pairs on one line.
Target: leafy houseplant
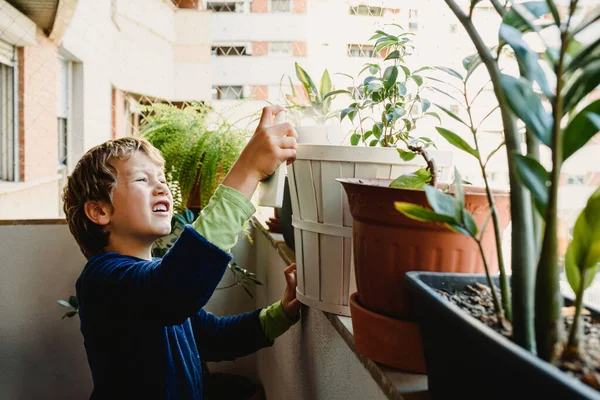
{"points": [[199, 148], [388, 245], [384, 110], [537, 324]]}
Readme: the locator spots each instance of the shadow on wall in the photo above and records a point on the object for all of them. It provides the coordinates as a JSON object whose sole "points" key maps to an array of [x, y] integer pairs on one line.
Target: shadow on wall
{"points": [[41, 356]]}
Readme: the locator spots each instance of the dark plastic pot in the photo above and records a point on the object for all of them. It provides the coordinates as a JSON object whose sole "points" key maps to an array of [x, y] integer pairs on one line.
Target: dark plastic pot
{"points": [[465, 359], [285, 217]]}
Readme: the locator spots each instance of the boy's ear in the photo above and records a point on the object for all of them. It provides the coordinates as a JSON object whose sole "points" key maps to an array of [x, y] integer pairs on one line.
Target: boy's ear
{"points": [[97, 212]]}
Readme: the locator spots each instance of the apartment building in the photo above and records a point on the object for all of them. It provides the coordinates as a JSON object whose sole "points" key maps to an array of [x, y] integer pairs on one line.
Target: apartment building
{"points": [[72, 75]]}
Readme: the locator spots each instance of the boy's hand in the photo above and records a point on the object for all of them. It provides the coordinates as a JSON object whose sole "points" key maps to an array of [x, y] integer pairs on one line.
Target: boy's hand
{"points": [[267, 149], [290, 304]]}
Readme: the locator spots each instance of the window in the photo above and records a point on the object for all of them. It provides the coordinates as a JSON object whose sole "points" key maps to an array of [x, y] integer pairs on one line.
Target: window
{"points": [[228, 92], [281, 5], [576, 180], [8, 144], [225, 51], [412, 14], [225, 6], [361, 50], [280, 49], [63, 109], [453, 28], [367, 11], [413, 27]]}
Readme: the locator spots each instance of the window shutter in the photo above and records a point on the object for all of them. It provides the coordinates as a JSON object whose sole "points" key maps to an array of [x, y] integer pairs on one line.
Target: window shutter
{"points": [[6, 53]]}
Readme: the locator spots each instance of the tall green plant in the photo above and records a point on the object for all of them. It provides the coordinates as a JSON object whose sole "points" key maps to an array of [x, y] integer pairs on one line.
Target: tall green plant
{"points": [[385, 109], [199, 147], [577, 72], [459, 93]]}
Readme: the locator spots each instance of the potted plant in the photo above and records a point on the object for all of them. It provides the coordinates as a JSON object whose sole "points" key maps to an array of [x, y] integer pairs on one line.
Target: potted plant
{"points": [[310, 109], [527, 353], [387, 244], [199, 147], [321, 215]]}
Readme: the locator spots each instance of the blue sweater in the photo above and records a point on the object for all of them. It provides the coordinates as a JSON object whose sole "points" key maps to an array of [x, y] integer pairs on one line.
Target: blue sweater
{"points": [[144, 328]]}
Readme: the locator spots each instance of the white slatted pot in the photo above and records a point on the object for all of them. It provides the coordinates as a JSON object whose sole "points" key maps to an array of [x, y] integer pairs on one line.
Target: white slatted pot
{"points": [[321, 134], [322, 220]]}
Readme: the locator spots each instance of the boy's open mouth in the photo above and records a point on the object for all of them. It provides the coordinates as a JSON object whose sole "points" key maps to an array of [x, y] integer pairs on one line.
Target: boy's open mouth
{"points": [[161, 207]]}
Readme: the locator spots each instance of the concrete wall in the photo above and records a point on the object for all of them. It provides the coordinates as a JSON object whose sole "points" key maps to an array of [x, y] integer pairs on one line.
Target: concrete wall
{"points": [[41, 356], [311, 361], [23, 200]]}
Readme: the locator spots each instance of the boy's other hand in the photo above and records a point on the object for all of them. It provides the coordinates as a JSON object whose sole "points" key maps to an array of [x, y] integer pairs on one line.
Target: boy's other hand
{"points": [[267, 149], [291, 305]]}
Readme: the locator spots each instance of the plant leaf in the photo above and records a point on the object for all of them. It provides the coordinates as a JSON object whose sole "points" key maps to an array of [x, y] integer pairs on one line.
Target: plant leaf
{"points": [[73, 302], [527, 58], [443, 204], [401, 89], [489, 157], [470, 224], [528, 107], [406, 71], [69, 314], [451, 114], [471, 63], [325, 84], [435, 115], [584, 250], [581, 83], [581, 129], [354, 139], [345, 112], [522, 17], [64, 303], [394, 55], [389, 76], [554, 11], [406, 155], [415, 180], [450, 72], [585, 56], [307, 82], [335, 93], [377, 131], [459, 196], [535, 178], [457, 141], [422, 214], [425, 104], [417, 79]]}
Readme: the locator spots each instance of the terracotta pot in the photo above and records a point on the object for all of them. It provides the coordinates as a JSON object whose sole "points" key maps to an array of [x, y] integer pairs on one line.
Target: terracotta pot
{"points": [[387, 245]]}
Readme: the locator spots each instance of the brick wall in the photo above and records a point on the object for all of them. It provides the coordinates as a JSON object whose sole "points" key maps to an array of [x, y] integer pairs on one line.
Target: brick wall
{"points": [[300, 49], [260, 48], [300, 6], [260, 92], [38, 132], [260, 6], [593, 179]]}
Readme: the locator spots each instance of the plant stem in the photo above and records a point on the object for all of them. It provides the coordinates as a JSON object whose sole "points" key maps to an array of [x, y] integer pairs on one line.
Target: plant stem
{"points": [[548, 298], [430, 162], [573, 345], [504, 284], [497, 306], [523, 261], [499, 8]]}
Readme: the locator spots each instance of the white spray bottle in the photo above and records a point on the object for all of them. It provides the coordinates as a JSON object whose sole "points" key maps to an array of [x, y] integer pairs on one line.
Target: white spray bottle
{"points": [[270, 190]]}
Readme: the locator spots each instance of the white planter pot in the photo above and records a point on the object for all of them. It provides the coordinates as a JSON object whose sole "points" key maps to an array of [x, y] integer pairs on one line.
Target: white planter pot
{"points": [[322, 220], [320, 134]]}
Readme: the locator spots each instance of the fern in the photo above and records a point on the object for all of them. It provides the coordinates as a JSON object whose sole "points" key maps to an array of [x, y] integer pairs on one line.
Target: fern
{"points": [[199, 147]]}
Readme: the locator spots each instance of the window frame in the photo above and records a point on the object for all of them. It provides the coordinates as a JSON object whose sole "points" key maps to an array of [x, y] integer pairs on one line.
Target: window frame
{"points": [[9, 169], [290, 2]]}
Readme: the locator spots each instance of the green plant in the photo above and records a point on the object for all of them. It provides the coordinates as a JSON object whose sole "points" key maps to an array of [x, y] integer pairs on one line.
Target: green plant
{"points": [[199, 147], [457, 90], [313, 102], [567, 127], [387, 105]]}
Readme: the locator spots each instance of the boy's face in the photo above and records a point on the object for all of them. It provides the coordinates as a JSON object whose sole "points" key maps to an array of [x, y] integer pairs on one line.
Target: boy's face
{"points": [[143, 205]]}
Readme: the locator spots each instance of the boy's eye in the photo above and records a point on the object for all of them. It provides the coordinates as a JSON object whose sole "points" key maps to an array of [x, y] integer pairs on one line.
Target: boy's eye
{"points": [[141, 180]]}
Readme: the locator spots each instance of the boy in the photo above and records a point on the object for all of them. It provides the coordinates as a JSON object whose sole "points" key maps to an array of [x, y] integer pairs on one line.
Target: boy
{"points": [[142, 319]]}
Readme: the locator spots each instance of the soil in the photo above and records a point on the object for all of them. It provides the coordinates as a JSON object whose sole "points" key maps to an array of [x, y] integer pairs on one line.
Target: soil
{"points": [[477, 300]]}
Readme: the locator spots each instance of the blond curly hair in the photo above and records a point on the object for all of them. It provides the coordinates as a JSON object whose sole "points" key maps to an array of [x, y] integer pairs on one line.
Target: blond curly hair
{"points": [[94, 179]]}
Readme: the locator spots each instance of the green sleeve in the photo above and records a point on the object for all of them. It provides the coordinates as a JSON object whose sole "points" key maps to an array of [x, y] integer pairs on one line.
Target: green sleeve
{"points": [[222, 219], [274, 321]]}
